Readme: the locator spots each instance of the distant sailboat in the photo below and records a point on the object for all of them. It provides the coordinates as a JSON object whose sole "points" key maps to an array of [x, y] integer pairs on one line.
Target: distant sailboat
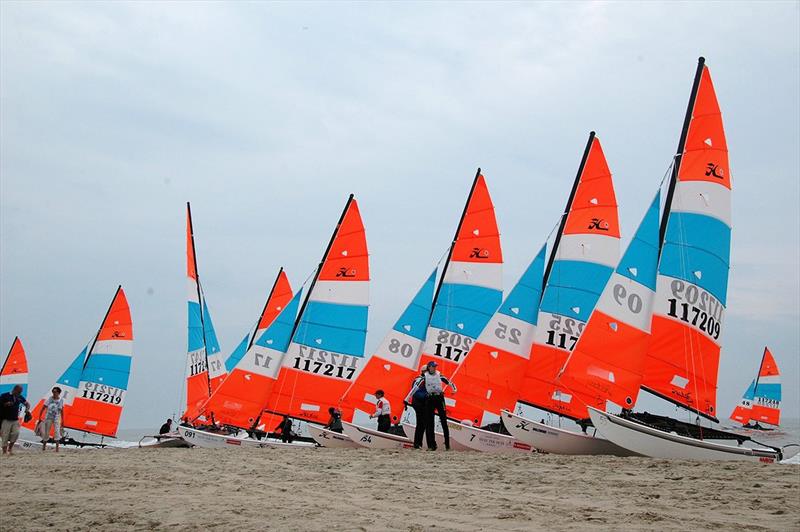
{"points": [[95, 384], [14, 370], [205, 368], [762, 400]]}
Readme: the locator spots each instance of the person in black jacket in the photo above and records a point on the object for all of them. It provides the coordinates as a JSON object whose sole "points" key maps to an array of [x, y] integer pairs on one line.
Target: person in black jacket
{"points": [[285, 427]]}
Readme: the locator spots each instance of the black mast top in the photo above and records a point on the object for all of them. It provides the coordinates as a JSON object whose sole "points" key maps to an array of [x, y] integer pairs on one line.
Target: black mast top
{"points": [[89, 352], [272, 291], [563, 223], [453, 243], [681, 146]]}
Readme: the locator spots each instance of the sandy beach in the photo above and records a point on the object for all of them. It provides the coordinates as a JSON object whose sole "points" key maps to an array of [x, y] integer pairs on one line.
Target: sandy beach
{"points": [[325, 489]]}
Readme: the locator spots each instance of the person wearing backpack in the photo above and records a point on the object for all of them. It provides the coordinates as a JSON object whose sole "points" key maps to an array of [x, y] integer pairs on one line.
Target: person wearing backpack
{"points": [[417, 397]]}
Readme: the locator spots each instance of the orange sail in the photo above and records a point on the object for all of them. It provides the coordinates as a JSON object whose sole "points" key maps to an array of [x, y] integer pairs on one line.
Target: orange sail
{"points": [[14, 370], [239, 400], [327, 345], [767, 392], [585, 253], [205, 368], [683, 359], [608, 361], [471, 287]]}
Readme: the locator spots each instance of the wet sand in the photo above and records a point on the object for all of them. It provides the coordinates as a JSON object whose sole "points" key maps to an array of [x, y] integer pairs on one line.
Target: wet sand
{"points": [[323, 489]]}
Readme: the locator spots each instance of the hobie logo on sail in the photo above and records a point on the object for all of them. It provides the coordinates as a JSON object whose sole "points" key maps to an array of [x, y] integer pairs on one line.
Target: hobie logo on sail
{"points": [[715, 170], [346, 272], [479, 253], [600, 224]]}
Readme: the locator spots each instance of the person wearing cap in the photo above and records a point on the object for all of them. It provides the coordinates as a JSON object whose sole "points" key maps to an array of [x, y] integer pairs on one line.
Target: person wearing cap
{"points": [[383, 411], [434, 404], [53, 413]]}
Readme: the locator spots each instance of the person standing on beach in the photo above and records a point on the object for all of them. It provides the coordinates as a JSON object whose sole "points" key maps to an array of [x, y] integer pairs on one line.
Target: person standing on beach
{"points": [[383, 411], [417, 398], [285, 426], [53, 413], [335, 421], [10, 403], [435, 405]]}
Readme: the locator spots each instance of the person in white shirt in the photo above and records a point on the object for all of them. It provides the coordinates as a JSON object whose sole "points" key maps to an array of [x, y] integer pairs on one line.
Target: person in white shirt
{"points": [[53, 414], [383, 411], [434, 404]]}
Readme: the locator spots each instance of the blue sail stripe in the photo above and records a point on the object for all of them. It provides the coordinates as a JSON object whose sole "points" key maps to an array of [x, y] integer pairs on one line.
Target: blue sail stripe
{"points": [[111, 370], [642, 252], [574, 284], [470, 306], [768, 391], [341, 328], [280, 330], [416, 315], [237, 354], [751, 391], [72, 375], [195, 340], [525, 296], [212, 344]]}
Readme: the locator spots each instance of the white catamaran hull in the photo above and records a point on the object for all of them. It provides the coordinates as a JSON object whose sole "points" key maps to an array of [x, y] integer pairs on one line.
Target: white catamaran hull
{"points": [[331, 439], [209, 440], [372, 439], [477, 439], [409, 429], [559, 441], [649, 441]]}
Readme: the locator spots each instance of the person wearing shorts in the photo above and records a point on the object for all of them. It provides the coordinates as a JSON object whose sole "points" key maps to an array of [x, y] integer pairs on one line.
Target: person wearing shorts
{"points": [[10, 403], [53, 413]]}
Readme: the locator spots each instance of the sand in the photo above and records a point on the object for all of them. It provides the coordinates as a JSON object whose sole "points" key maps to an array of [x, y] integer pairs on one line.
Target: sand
{"points": [[322, 489]]}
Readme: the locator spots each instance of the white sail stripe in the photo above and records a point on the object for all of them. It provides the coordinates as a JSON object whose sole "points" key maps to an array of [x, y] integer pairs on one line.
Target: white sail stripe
{"points": [[216, 365], [383, 352], [114, 347], [323, 356], [100, 390], [602, 249], [191, 291], [623, 310], [16, 378], [344, 292], [483, 274], [196, 356], [703, 197], [256, 357], [769, 379], [661, 305], [499, 333]]}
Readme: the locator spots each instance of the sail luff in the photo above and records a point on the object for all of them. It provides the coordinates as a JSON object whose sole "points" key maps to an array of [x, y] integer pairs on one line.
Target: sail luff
{"points": [[264, 310], [199, 292]]}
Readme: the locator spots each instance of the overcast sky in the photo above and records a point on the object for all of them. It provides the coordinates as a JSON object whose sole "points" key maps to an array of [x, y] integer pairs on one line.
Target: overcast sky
{"points": [[266, 116]]}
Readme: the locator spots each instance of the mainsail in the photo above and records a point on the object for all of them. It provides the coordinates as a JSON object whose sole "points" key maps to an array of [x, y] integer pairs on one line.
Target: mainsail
{"points": [[762, 400], [489, 379], [585, 253], [94, 386], [608, 359], [14, 370], [327, 345], [394, 365], [471, 287], [692, 284], [205, 368]]}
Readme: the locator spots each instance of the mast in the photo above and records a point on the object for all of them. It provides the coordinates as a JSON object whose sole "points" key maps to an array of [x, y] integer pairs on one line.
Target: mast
{"points": [[453, 244], [319, 268], [89, 352], [199, 295], [266, 303], [681, 147], [758, 375], [563, 223]]}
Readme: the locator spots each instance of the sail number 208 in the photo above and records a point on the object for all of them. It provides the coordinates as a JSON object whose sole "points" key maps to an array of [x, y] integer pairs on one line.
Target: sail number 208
{"points": [[452, 346]]}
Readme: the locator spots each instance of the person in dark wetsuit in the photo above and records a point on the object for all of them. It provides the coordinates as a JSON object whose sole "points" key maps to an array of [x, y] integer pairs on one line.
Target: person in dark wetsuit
{"points": [[335, 421], [434, 404], [285, 426], [417, 397], [166, 427]]}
